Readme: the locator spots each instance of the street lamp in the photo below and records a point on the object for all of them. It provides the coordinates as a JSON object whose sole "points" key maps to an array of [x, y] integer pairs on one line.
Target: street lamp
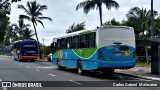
{"points": [[152, 28]]}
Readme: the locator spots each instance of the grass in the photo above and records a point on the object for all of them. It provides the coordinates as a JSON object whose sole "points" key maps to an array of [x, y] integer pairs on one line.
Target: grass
{"points": [[143, 64]]}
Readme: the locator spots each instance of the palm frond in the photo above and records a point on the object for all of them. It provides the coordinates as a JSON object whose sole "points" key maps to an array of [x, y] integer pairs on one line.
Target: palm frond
{"points": [[41, 8], [24, 17], [27, 25], [23, 8], [89, 6], [40, 22], [82, 4], [29, 7], [44, 18], [38, 14], [110, 3]]}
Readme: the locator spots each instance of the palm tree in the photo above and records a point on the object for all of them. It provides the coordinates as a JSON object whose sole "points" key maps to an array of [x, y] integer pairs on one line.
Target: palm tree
{"points": [[91, 4], [141, 20], [33, 14], [20, 27], [27, 33]]}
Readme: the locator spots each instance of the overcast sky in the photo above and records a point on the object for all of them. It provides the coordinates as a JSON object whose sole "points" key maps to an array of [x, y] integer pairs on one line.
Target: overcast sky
{"points": [[64, 14]]}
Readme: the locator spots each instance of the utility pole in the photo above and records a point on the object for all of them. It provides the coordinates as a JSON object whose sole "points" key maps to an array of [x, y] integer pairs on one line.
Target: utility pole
{"points": [[152, 27], [43, 45]]}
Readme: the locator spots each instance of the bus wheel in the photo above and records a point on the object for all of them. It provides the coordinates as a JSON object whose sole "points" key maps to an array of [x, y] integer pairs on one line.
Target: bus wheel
{"points": [[32, 60], [80, 68], [58, 65]]}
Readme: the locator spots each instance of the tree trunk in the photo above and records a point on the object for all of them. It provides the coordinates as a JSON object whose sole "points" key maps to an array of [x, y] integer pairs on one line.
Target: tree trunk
{"points": [[38, 44], [100, 14]]}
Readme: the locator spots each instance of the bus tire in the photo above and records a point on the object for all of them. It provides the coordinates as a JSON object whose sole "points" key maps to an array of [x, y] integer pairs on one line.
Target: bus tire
{"points": [[49, 60], [80, 70], [32, 60], [58, 65]]}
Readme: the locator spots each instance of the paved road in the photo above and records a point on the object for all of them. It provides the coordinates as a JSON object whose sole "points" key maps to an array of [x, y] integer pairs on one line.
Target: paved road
{"points": [[11, 70]]}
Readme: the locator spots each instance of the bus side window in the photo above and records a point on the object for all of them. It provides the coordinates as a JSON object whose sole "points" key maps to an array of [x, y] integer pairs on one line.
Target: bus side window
{"points": [[75, 42], [69, 42], [58, 44], [53, 47], [83, 41], [63, 43], [91, 40]]}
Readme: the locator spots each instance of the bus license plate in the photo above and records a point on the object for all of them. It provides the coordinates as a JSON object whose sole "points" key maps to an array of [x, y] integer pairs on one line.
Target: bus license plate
{"points": [[117, 54]]}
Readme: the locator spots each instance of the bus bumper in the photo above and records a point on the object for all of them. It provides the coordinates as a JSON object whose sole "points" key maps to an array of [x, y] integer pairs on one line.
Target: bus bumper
{"points": [[117, 64], [28, 57]]}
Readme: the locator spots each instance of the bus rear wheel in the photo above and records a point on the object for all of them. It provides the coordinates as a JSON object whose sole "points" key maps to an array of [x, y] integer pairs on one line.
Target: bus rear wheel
{"points": [[80, 68], [58, 65]]}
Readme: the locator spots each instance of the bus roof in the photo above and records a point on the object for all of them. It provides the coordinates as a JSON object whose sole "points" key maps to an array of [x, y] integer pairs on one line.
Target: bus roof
{"points": [[93, 30], [73, 33], [24, 40]]}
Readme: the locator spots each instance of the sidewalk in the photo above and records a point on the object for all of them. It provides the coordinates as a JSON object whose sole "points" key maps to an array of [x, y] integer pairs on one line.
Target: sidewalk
{"points": [[141, 72]]}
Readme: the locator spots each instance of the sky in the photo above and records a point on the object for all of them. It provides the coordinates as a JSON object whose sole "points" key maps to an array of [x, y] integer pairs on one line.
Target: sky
{"points": [[64, 14]]}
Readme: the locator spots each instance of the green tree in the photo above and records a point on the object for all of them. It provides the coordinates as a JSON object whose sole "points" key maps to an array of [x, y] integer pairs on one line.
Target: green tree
{"points": [[20, 28], [3, 24], [91, 4], [10, 35], [34, 14], [77, 27], [4, 19], [112, 22], [157, 27], [140, 20], [5, 8], [27, 34]]}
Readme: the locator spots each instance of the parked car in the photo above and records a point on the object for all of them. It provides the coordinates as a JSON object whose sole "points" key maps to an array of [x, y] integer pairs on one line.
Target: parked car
{"points": [[49, 57]]}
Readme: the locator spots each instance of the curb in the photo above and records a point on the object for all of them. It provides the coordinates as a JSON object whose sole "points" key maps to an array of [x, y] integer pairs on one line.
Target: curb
{"points": [[141, 76]]}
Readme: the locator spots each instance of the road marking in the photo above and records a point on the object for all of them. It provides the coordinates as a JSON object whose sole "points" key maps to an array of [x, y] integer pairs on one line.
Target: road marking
{"points": [[37, 70], [27, 66], [75, 82], [52, 75]]}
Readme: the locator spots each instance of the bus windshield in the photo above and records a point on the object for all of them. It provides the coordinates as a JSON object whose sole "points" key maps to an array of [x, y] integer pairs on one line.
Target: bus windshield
{"points": [[118, 34], [111, 36]]}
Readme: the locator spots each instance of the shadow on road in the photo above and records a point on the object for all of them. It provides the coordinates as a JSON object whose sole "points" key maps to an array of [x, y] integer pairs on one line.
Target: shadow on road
{"points": [[100, 75]]}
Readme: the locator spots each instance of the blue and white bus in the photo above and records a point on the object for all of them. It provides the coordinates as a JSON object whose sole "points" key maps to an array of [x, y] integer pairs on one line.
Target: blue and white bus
{"points": [[105, 48], [25, 50]]}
